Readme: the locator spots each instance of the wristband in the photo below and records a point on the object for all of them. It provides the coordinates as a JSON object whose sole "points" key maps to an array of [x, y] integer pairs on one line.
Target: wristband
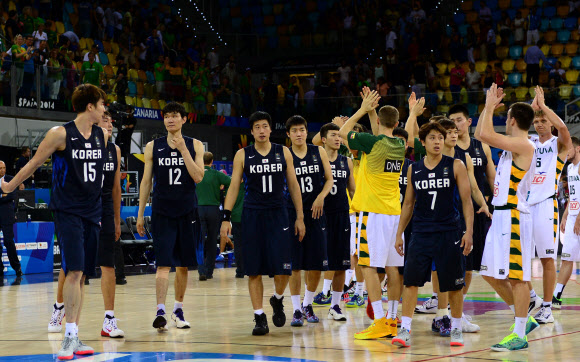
{"points": [[227, 215]]}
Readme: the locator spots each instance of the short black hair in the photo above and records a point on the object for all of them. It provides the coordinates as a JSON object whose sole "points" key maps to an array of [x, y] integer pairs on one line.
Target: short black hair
{"points": [[459, 108], [258, 116], [524, 115], [398, 131], [575, 141], [296, 120], [431, 126], [447, 124], [328, 127], [85, 94], [174, 107]]}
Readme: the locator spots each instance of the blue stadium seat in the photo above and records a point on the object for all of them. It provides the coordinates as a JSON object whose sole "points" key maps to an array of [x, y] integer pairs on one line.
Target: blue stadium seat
{"points": [[256, 10], [549, 11], [576, 62], [322, 5], [564, 36], [225, 12], [463, 30], [259, 30], [540, 3], [492, 4], [279, 19], [103, 58], [496, 16], [448, 30], [516, 4], [514, 79], [273, 42], [459, 18], [234, 3], [472, 109], [576, 90], [246, 11], [556, 23], [516, 51], [476, 5], [544, 25], [296, 41], [99, 44], [132, 89], [313, 17], [224, 3], [271, 31], [570, 23], [150, 77], [511, 13], [258, 20]]}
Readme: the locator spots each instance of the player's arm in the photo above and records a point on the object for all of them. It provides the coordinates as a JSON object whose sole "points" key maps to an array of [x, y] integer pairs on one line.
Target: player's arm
{"points": [[145, 187], [318, 204], [194, 167], [117, 195], [317, 139], [406, 212], [373, 117], [232, 194], [476, 193], [564, 218], [416, 108], [464, 189], [490, 168], [369, 103], [564, 140], [351, 185], [295, 194], [55, 140]]}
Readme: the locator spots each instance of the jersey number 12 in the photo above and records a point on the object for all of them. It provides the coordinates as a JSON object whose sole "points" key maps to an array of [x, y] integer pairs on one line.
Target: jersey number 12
{"points": [[174, 180]]}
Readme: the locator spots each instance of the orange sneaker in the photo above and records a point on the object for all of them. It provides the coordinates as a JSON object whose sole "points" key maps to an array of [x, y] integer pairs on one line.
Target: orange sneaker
{"points": [[392, 323]]}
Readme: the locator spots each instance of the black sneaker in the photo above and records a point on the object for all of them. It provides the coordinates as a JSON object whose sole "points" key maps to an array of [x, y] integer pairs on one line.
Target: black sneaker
{"points": [[19, 273], [202, 277], [556, 303], [87, 281], [261, 327], [445, 327], [121, 281], [240, 276], [160, 321], [279, 318]]}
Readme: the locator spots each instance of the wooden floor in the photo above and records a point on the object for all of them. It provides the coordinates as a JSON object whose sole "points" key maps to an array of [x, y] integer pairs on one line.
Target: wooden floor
{"points": [[220, 313]]}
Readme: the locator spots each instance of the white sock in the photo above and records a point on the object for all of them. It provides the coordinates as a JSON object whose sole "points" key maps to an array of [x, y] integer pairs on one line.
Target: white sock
{"points": [[161, 306], [348, 276], [378, 309], [520, 328], [513, 308], [71, 330], [177, 305], [533, 293], [258, 311], [434, 295], [558, 291], [58, 305], [308, 298], [295, 302], [455, 323], [359, 288], [335, 298], [547, 305], [110, 313], [326, 286], [392, 306], [278, 296], [406, 322]]}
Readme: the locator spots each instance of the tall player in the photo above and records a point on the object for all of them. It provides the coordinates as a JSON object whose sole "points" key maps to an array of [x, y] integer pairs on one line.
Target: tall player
{"points": [[570, 225], [550, 156], [507, 257], [266, 233], [483, 170], [175, 162], [315, 179], [336, 209], [378, 199], [109, 234], [78, 149], [437, 235]]}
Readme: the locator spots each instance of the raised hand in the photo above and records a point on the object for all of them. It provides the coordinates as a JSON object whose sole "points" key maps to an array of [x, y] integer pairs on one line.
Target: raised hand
{"points": [[540, 98], [494, 97], [370, 101], [418, 107]]}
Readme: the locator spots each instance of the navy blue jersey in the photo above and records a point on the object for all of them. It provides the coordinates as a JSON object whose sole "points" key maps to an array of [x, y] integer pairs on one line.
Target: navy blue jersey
{"points": [[403, 178], [337, 199], [434, 207], [310, 176], [479, 160], [264, 178], [173, 187], [77, 174], [109, 170]]}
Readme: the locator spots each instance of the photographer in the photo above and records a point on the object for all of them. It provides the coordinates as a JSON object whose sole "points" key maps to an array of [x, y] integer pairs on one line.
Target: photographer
{"points": [[125, 123]]}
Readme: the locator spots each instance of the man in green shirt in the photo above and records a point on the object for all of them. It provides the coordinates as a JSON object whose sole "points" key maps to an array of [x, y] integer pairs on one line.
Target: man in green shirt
{"points": [[208, 201], [92, 71]]}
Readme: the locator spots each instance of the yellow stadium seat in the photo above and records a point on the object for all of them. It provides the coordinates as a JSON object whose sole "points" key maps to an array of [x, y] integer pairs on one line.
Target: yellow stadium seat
{"points": [[504, 4], [162, 104], [574, 36], [83, 43], [572, 76], [442, 108], [571, 48], [526, 47], [146, 102], [450, 66], [480, 66], [465, 66], [508, 93], [114, 48], [111, 98], [565, 91], [112, 59], [556, 50], [188, 107], [440, 94], [441, 68], [90, 43], [60, 27], [154, 104], [448, 97], [480, 108], [532, 91], [149, 90], [521, 93], [107, 46], [133, 75], [565, 60], [544, 78], [497, 40], [130, 101], [139, 101], [444, 81], [502, 52], [109, 71], [508, 65], [115, 68]]}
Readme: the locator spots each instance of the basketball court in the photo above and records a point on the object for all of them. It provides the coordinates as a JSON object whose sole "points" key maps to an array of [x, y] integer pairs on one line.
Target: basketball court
{"points": [[220, 314]]}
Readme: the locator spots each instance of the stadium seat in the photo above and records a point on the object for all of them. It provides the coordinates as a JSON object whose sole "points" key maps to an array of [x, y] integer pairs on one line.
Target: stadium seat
{"points": [[565, 91], [492, 4], [471, 17], [296, 41], [550, 12], [278, 9], [459, 18], [502, 52], [465, 66], [139, 102], [480, 66], [544, 78], [471, 108], [550, 36], [444, 81], [131, 89], [115, 68], [571, 23], [463, 30], [516, 4], [544, 25], [532, 91], [515, 51], [503, 4], [114, 48], [545, 49], [188, 107], [576, 90], [556, 50], [90, 43], [480, 108], [571, 49], [162, 104], [99, 45], [267, 20], [109, 71], [284, 42], [540, 3], [563, 11], [508, 65], [508, 93], [448, 97], [556, 23], [565, 60], [130, 101], [496, 16], [529, 3], [237, 24], [525, 12], [514, 79], [266, 9], [133, 75], [142, 75], [443, 109], [440, 93], [574, 35], [60, 27], [526, 47], [154, 104], [140, 89], [150, 77], [524, 77], [521, 65], [572, 76], [83, 43], [564, 36], [112, 59], [576, 62], [521, 93], [106, 46], [466, 6]]}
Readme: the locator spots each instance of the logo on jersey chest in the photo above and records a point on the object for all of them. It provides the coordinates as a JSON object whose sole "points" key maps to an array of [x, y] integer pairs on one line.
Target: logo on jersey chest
{"points": [[110, 155], [539, 178], [97, 142], [440, 183], [277, 156], [314, 159], [303, 170], [393, 166], [86, 154], [477, 152], [445, 171], [542, 151], [277, 167], [170, 161]]}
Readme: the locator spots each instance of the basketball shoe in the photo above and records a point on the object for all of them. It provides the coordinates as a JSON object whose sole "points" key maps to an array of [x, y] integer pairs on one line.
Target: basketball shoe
{"points": [[55, 324], [110, 328]]}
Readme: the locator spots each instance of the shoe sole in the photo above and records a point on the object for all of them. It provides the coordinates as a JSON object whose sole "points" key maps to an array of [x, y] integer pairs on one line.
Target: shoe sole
{"points": [[496, 349], [184, 327], [545, 322], [400, 343], [55, 330], [313, 321], [426, 311], [456, 344], [341, 319], [66, 358], [554, 306], [105, 334], [260, 333], [293, 324], [84, 353]]}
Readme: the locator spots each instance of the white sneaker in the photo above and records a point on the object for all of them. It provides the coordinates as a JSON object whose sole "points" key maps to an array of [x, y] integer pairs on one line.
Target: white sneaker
{"points": [[335, 313], [55, 324], [428, 307], [544, 316], [179, 319], [467, 316], [456, 338], [403, 338], [110, 328], [467, 326], [535, 303], [68, 348]]}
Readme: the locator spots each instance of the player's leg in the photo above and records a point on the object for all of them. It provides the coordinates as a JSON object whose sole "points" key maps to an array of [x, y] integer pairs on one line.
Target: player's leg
{"points": [[58, 311], [161, 286], [295, 283], [256, 289], [279, 249], [213, 225], [164, 231], [314, 260], [180, 285], [106, 260], [338, 248], [570, 254], [323, 298], [566, 269]]}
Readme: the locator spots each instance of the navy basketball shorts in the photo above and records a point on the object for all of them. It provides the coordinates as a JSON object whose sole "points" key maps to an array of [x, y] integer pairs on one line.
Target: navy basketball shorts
{"points": [[310, 253], [443, 248], [406, 241], [338, 240], [175, 239], [480, 227], [265, 239], [79, 239]]}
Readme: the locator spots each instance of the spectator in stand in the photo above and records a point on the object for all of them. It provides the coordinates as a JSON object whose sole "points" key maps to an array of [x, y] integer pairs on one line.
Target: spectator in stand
{"points": [[484, 12], [362, 68], [70, 39], [84, 13], [121, 83], [519, 23], [246, 89], [457, 76], [499, 75], [204, 73], [224, 98], [54, 74], [91, 71], [231, 73], [12, 26], [488, 79], [391, 38], [27, 20], [51, 34], [95, 51], [558, 74], [491, 40], [118, 17], [40, 58], [199, 97], [473, 79], [154, 46], [29, 83], [344, 70], [160, 71], [39, 35], [213, 58], [552, 95], [533, 24], [532, 58], [379, 70], [505, 28], [413, 50]]}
